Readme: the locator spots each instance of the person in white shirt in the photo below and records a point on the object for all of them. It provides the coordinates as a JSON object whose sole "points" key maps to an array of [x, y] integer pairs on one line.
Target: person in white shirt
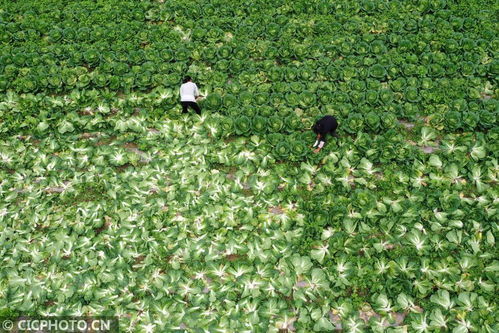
{"points": [[188, 93]]}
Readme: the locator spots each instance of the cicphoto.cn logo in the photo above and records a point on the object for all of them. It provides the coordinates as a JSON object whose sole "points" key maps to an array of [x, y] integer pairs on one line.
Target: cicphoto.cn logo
{"points": [[55, 324]]}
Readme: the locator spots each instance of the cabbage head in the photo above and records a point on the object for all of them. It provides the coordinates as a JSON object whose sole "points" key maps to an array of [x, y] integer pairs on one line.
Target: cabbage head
{"points": [[373, 121], [354, 123], [259, 124], [377, 71], [281, 150], [243, 125]]}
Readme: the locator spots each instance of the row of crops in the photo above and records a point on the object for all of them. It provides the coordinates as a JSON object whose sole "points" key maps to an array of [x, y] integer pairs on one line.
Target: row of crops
{"points": [[114, 203], [296, 111]]}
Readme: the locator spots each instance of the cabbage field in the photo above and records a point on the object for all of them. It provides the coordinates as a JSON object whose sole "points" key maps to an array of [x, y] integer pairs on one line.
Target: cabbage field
{"points": [[113, 202]]}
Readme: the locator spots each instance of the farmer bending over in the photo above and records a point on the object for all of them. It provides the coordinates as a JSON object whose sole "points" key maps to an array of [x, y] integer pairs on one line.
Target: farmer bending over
{"points": [[322, 127], [188, 93]]}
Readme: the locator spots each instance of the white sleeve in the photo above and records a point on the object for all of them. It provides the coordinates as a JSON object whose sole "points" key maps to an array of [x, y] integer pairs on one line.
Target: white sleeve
{"points": [[316, 143], [321, 144], [196, 90]]}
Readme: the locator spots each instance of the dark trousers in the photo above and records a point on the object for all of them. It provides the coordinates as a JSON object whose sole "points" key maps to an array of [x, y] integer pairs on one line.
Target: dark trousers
{"points": [[194, 105]]}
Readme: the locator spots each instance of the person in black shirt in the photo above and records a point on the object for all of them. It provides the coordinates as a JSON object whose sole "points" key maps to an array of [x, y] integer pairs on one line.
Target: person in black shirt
{"points": [[322, 127]]}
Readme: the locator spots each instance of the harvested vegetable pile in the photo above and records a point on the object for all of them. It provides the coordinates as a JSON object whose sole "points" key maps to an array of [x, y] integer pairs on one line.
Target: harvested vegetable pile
{"points": [[114, 203]]}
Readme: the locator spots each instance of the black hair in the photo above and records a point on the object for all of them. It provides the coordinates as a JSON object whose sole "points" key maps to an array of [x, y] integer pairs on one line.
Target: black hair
{"points": [[187, 79], [316, 128]]}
